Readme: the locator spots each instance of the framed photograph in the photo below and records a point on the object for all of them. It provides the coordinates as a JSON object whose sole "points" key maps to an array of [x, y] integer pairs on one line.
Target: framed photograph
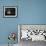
{"points": [[33, 32], [10, 11]]}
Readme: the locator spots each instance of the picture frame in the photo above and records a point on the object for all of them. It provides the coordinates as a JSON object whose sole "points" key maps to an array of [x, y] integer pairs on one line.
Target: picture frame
{"points": [[40, 28], [10, 11]]}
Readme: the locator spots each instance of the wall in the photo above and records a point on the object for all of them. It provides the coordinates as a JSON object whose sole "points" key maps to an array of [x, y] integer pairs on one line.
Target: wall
{"points": [[32, 11], [7, 25], [29, 12]]}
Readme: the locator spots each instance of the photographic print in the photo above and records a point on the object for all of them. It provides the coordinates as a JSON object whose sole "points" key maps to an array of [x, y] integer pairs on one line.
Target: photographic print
{"points": [[10, 11], [32, 32]]}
